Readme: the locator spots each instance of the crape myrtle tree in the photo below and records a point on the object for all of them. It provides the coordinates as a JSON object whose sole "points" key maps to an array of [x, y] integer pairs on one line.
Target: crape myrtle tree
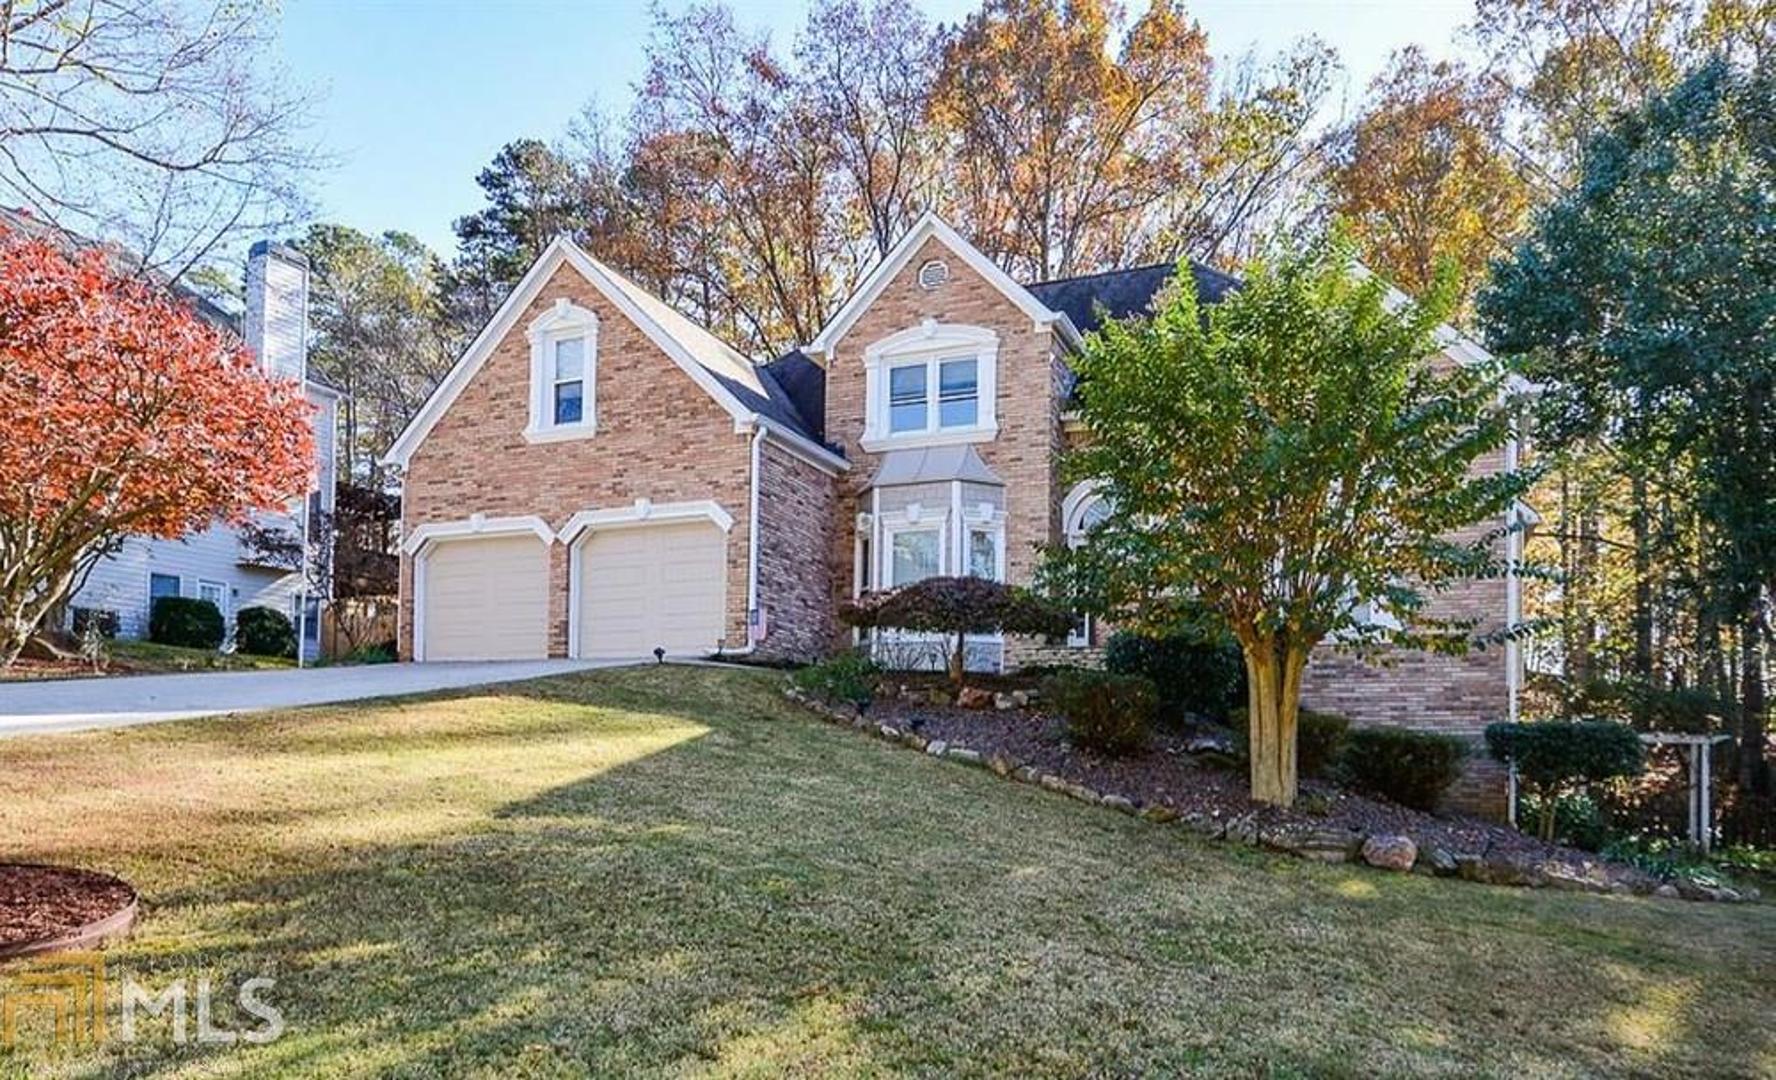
{"points": [[1272, 460], [955, 607], [121, 413]]}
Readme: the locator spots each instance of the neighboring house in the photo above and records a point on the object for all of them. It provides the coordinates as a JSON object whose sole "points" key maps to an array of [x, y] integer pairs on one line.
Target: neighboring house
{"points": [[598, 476], [215, 565]]}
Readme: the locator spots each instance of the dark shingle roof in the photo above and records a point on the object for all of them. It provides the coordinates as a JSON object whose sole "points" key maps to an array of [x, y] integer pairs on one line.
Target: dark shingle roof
{"points": [[802, 383], [1121, 293]]}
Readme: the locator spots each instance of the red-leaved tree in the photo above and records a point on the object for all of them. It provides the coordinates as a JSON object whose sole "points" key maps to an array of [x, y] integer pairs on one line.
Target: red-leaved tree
{"points": [[121, 413]]}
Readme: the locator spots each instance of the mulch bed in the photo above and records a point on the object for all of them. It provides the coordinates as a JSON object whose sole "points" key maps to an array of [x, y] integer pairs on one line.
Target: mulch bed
{"points": [[1167, 775], [44, 904]]}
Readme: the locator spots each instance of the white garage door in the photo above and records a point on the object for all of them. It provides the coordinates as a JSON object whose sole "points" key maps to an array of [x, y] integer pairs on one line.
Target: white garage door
{"points": [[486, 599], [655, 586]]}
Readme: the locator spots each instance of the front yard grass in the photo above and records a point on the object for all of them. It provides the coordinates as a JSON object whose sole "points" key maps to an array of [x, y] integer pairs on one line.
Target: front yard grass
{"points": [[667, 870]]}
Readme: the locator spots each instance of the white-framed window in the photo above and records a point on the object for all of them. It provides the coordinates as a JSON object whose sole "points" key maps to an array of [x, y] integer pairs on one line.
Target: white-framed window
{"points": [[985, 551], [931, 385], [1083, 510], [215, 592], [914, 553], [563, 373]]}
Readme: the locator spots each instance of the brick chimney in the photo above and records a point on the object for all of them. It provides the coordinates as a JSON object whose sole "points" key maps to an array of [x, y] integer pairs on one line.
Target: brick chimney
{"points": [[276, 322]]}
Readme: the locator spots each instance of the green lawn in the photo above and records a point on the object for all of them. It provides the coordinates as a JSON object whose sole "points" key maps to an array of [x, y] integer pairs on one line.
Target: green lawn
{"points": [[670, 870]]}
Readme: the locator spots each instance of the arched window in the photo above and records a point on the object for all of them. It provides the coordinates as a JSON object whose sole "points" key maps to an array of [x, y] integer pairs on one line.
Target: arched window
{"points": [[1084, 509]]}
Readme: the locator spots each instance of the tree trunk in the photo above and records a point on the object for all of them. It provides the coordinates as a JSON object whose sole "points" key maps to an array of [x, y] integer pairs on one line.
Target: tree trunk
{"points": [[1753, 775], [1643, 580], [1273, 679], [957, 661]]}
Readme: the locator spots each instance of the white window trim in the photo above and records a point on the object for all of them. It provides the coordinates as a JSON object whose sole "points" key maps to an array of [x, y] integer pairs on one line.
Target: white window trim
{"points": [[219, 587], [1074, 508], [931, 343], [563, 321]]}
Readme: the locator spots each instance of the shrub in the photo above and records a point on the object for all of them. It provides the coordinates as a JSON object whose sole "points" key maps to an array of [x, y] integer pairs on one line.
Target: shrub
{"points": [[1412, 768], [187, 621], [956, 607], [1319, 738], [1108, 713], [264, 631], [103, 619], [849, 676], [1193, 676], [1555, 758]]}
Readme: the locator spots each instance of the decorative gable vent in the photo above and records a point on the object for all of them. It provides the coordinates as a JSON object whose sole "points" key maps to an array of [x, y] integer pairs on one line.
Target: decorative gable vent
{"points": [[933, 273]]}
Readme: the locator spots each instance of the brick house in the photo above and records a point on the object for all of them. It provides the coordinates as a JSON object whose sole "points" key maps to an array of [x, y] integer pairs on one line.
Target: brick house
{"points": [[599, 476]]}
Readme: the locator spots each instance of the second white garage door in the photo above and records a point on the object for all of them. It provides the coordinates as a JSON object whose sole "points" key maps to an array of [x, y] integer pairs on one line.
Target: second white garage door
{"points": [[654, 586], [486, 599]]}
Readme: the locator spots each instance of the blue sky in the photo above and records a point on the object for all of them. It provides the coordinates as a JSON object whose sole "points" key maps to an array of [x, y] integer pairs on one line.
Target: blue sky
{"points": [[414, 98]]}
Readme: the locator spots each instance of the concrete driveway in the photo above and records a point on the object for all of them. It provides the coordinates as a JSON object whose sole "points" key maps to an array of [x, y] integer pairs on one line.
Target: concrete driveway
{"points": [[80, 704]]}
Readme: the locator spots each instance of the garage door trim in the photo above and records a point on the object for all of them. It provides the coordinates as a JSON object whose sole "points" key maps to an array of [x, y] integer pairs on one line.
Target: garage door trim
{"points": [[424, 539], [640, 514]]}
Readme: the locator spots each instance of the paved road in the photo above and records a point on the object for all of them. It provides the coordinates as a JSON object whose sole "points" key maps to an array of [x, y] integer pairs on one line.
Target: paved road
{"points": [[34, 708]]}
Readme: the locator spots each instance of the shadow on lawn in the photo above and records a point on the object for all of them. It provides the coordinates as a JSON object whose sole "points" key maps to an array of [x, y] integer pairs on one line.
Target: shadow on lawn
{"points": [[774, 895]]}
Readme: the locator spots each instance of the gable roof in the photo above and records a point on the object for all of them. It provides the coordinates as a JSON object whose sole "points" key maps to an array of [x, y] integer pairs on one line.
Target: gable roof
{"points": [[733, 381], [931, 227], [1121, 293]]}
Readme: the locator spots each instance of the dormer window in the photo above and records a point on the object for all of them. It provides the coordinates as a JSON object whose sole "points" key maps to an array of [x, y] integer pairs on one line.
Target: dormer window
{"points": [[931, 385], [563, 373]]}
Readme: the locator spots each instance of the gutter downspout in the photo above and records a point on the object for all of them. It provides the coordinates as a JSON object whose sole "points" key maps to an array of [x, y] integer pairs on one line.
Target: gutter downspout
{"points": [[752, 545]]}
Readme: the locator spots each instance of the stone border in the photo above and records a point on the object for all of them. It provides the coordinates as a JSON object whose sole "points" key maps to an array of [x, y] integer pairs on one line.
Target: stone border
{"points": [[97, 932], [1383, 850]]}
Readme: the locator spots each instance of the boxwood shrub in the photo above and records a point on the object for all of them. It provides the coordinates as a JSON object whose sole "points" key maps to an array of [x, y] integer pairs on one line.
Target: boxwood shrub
{"points": [[849, 676], [1191, 676], [187, 621], [264, 631], [1112, 714], [1412, 768]]}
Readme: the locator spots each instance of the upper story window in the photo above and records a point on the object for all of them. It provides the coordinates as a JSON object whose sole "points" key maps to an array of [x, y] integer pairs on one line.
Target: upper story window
{"points": [[569, 390], [563, 373], [931, 385]]}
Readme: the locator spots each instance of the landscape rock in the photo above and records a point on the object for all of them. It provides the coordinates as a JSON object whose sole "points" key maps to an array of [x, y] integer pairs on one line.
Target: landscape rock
{"points": [[1320, 845], [937, 696], [1053, 782], [1028, 774], [964, 755], [914, 740], [973, 697], [1117, 802], [1083, 793], [1439, 861], [936, 747], [1209, 743], [1390, 851], [1021, 698], [888, 732], [1242, 830], [1205, 825], [1159, 814], [1002, 702], [1666, 891], [1571, 878], [1000, 765]]}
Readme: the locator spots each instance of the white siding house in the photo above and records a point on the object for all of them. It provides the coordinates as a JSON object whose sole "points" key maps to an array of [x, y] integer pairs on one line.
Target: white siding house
{"points": [[214, 564]]}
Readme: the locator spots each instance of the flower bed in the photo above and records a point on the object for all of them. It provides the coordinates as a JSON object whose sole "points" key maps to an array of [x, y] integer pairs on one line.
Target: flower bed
{"points": [[48, 908], [1170, 784]]}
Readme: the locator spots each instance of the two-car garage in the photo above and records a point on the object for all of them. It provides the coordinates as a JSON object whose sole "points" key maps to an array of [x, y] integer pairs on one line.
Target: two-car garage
{"points": [[638, 578]]}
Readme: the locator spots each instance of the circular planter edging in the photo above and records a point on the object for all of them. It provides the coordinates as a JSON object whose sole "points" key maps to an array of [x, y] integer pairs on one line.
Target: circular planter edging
{"points": [[96, 932]]}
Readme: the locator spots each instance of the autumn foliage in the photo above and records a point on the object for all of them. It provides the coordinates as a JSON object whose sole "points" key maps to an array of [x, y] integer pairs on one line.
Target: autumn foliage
{"points": [[121, 412]]}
